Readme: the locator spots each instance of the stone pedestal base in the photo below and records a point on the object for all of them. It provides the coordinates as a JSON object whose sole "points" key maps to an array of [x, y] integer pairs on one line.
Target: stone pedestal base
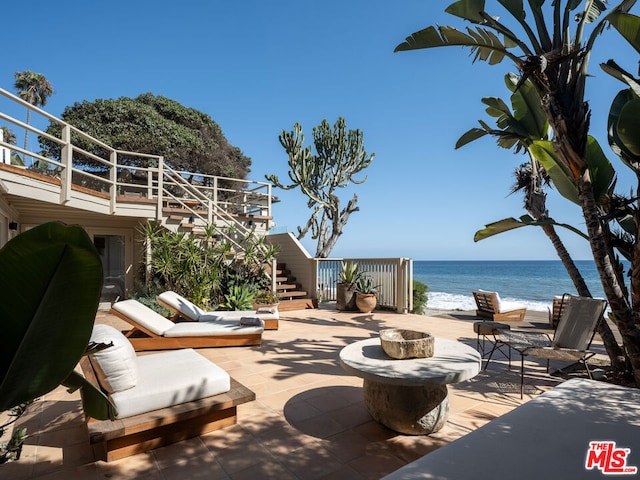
{"points": [[416, 410]]}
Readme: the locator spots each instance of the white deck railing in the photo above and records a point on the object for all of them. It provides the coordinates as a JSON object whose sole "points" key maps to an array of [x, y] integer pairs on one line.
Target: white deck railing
{"points": [[392, 276], [122, 175]]}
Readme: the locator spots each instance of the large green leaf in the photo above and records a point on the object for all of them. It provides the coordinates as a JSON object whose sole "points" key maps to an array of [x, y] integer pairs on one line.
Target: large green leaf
{"points": [[600, 168], [508, 224], [49, 293], [527, 107], [624, 145], [94, 403], [467, 10], [485, 44], [542, 150], [470, 136], [628, 26], [495, 228]]}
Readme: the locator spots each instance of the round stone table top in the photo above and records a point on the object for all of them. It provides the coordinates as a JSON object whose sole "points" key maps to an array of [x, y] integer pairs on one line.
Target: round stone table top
{"points": [[451, 362]]}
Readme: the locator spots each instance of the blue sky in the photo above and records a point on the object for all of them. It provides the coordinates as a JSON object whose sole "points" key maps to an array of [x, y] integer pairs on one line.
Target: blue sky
{"points": [[258, 67]]}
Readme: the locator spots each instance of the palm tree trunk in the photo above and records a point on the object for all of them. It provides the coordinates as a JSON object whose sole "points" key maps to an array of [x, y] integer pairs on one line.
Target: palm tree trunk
{"points": [[615, 352], [621, 309]]}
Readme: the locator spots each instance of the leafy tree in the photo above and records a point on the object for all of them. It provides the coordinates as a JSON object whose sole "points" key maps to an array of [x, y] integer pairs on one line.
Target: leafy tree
{"points": [[187, 138], [555, 60], [10, 138], [339, 156], [33, 88]]}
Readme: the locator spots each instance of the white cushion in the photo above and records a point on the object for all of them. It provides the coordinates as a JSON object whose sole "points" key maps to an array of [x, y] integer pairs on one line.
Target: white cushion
{"points": [[220, 327], [170, 378], [116, 366], [181, 305], [144, 316], [236, 315], [272, 310]]}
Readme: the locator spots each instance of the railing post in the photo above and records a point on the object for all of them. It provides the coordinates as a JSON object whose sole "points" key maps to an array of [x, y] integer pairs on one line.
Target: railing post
{"points": [[214, 218], [404, 284], [66, 175], [150, 180], [160, 191], [315, 263], [269, 218], [113, 182]]}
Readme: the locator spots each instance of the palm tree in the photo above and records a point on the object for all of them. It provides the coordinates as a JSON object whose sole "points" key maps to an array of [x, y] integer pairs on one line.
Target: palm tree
{"points": [[518, 131], [33, 88], [556, 64]]}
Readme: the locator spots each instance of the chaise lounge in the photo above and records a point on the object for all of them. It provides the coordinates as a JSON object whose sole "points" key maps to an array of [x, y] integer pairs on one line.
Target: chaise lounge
{"points": [[152, 331], [491, 306], [160, 398], [186, 309]]}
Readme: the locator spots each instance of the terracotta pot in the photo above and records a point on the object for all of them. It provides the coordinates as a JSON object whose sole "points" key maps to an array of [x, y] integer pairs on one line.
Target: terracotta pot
{"points": [[366, 302]]}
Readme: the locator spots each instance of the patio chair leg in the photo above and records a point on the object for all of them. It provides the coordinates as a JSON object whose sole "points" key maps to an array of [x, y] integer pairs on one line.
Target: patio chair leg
{"points": [[521, 377]]}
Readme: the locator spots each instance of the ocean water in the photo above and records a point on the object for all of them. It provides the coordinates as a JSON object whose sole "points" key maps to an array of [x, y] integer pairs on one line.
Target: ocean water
{"points": [[530, 283]]}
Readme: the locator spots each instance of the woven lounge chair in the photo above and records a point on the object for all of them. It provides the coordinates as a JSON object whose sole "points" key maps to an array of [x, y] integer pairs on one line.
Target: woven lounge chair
{"points": [[160, 398], [152, 331], [490, 306], [187, 310], [571, 340]]}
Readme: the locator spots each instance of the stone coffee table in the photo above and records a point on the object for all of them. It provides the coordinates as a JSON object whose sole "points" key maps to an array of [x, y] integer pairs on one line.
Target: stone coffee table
{"points": [[410, 396]]}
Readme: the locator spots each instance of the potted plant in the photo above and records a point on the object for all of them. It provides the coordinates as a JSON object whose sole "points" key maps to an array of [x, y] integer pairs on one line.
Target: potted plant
{"points": [[366, 294], [265, 299], [346, 287]]}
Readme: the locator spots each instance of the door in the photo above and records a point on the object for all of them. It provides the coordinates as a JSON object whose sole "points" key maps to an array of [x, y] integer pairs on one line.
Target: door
{"points": [[111, 249]]}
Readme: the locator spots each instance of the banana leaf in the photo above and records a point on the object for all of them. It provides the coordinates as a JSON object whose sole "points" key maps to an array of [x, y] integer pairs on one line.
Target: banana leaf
{"points": [[49, 293], [508, 224]]}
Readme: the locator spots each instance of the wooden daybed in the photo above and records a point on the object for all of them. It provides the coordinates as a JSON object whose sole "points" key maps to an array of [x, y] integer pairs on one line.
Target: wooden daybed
{"points": [[151, 331], [111, 440]]}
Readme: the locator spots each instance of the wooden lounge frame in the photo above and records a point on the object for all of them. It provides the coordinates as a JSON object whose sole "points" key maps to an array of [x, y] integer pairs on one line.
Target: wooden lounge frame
{"points": [[489, 307], [144, 339], [112, 440]]}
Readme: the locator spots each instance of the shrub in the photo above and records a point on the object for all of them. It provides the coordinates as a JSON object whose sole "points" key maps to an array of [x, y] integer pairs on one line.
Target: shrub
{"points": [[419, 297]]}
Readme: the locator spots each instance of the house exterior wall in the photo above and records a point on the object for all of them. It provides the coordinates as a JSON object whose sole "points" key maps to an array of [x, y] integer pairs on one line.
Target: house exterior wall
{"points": [[94, 224]]}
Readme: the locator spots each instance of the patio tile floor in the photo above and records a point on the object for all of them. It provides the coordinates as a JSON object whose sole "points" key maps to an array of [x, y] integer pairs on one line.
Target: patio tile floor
{"points": [[308, 421]]}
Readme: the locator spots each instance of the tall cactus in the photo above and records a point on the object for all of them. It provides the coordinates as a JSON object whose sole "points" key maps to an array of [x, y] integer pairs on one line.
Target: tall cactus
{"points": [[339, 156]]}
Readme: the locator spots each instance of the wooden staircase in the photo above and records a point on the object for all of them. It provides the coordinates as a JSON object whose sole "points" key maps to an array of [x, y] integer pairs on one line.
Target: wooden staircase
{"points": [[289, 292]]}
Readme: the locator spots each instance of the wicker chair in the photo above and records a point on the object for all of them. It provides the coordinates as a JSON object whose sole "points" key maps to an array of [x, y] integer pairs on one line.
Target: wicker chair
{"points": [[571, 340]]}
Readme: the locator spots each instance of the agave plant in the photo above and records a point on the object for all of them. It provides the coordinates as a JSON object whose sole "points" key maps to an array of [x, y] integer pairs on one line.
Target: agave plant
{"points": [[238, 298]]}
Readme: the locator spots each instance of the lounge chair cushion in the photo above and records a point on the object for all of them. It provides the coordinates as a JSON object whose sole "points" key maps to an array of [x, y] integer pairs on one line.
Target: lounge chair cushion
{"points": [[272, 310], [182, 305], [219, 327], [170, 378], [158, 325], [146, 317], [116, 366], [191, 311]]}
